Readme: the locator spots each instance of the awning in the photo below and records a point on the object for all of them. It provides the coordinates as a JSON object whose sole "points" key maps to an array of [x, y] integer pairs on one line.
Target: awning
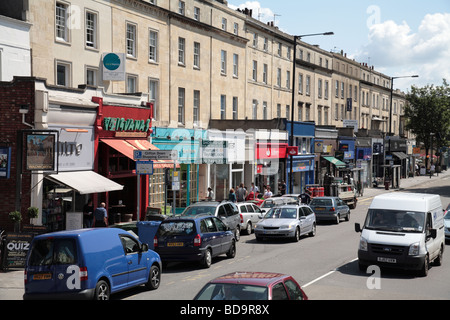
{"points": [[338, 163], [86, 182], [126, 147], [400, 155]]}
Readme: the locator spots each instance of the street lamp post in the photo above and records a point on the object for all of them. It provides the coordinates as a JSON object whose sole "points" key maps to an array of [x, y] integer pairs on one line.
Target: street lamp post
{"points": [[291, 138], [390, 114]]}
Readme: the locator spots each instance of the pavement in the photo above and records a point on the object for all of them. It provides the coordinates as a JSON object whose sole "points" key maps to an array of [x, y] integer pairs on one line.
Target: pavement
{"points": [[14, 278]]}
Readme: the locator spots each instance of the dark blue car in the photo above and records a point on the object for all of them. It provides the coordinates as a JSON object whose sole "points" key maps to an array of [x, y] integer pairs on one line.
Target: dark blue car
{"points": [[196, 238], [88, 263]]}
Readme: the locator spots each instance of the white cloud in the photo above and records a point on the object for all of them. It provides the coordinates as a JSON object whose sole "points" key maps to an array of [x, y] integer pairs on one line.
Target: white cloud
{"points": [[263, 14], [396, 48]]}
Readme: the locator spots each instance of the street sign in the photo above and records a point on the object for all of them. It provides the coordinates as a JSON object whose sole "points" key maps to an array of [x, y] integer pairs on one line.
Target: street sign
{"points": [[144, 167], [155, 155]]}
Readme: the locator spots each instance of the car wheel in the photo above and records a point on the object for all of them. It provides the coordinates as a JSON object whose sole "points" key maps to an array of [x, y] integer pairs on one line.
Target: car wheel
{"points": [[207, 259], [426, 265], [102, 290], [248, 229], [313, 231], [338, 218], [347, 217], [154, 278], [237, 233], [296, 235], [232, 251]]}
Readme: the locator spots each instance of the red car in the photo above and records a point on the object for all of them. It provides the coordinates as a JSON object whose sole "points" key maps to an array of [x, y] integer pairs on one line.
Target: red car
{"points": [[252, 286]]}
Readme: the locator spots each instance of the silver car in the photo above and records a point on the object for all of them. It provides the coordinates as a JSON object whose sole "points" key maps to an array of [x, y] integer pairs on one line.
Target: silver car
{"points": [[330, 208], [250, 214], [447, 224], [276, 201], [287, 221]]}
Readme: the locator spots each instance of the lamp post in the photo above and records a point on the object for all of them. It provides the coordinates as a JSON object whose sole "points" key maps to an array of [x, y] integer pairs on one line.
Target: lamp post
{"points": [[390, 108], [291, 138], [390, 114]]}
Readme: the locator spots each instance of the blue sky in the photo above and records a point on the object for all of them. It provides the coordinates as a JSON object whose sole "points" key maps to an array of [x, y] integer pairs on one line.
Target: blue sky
{"points": [[397, 37]]}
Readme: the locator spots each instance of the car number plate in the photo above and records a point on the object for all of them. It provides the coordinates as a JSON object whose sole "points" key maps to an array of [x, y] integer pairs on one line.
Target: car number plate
{"points": [[175, 244], [42, 276], [320, 208], [388, 260]]}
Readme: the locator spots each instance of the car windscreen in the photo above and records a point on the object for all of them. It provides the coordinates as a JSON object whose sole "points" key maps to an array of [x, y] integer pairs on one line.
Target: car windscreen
{"points": [[447, 215], [271, 203], [176, 228], [195, 210], [225, 291], [322, 202], [395, 220], [53, 251], [281, 213]]}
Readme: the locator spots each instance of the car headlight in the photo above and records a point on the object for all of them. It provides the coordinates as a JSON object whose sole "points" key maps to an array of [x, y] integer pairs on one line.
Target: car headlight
{"points": [[363, 244], [286, 226], [414, 249]]}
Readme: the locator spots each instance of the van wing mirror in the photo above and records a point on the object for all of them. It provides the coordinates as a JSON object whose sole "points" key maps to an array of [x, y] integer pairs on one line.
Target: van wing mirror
{"points": [[357, 227], [433, 233]]}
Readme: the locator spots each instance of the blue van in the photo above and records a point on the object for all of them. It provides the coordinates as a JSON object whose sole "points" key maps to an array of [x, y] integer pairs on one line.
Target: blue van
{"points": [[88, 264]]}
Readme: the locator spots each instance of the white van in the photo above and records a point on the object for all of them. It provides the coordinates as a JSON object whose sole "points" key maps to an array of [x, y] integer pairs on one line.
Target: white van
{"points": [[402, 230]]}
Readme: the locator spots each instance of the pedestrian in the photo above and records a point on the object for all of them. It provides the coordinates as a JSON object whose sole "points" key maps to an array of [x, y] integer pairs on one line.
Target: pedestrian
{"points": [[101, 216], [241, 193], [254, 188], [210, 195], [282, 187], [88, 216], [268, 193], [232, 196], [305, 197]]}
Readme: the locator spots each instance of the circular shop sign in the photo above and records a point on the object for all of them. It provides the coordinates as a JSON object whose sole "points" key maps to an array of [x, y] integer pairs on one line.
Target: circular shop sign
{"points": [[111, 61]]}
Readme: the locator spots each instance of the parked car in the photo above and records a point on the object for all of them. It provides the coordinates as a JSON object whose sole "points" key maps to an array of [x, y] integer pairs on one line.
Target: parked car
{"points": [[277, 201], [288, 221], [447, 224], [226, 211], [195, 238], [250, 215], [447, 209], [88, 263], [330, 208], [252, 286]]}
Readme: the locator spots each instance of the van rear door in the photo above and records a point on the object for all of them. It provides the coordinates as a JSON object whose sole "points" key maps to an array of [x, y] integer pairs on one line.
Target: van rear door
{"points": [[53, 266]]}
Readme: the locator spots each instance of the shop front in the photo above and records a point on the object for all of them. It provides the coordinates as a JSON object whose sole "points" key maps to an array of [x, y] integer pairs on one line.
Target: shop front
{"points": [[363, 162], [62, 193], [190, 185], [120, 130], [271, 164]]}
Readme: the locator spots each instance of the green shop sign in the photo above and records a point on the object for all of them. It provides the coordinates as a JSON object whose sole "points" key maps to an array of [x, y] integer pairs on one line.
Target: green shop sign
{"points": [[121, 124]]}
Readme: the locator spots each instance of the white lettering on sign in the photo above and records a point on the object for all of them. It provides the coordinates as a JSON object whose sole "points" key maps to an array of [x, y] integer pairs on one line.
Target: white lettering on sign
{"points": [[73, 281]]}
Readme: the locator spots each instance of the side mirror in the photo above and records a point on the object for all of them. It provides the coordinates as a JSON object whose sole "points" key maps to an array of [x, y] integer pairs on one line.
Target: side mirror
{"points": [[433, 233], [144, 247], [357, 227]]}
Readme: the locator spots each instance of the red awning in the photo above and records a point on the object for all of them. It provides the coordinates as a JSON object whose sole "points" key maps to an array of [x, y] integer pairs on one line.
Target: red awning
{"points": [[126, 147]]}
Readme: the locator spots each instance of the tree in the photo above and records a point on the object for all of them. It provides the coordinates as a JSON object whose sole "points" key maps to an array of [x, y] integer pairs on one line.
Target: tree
{"points": [[427, 115]]}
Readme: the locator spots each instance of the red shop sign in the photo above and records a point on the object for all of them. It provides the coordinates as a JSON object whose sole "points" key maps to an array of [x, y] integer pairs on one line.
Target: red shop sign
{"points": [[271, 150]]}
